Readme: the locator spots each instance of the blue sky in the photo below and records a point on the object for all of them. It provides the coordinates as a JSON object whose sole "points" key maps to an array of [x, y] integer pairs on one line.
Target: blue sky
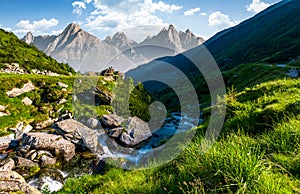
{"points": [[137, 18]]}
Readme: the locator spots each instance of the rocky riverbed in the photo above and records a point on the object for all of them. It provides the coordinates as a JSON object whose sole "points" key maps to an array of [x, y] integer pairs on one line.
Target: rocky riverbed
{"points": [[44, 160]]}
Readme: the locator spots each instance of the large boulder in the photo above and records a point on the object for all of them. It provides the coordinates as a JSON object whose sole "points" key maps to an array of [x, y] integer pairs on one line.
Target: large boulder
{"points": [[7, 164], [79, 134], [53, 143], [23, 162], [136, 131], [8, 142], [18, 91], [112, 121], [11, 182]]}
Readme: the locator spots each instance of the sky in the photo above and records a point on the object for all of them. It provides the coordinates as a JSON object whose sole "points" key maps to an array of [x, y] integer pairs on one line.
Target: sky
{"points": [[137, 18]]}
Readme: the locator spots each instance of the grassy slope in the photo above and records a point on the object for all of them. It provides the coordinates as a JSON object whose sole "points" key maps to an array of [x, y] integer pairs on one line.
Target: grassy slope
{"points": [[258, 150], [13, 50], [47, 93]]}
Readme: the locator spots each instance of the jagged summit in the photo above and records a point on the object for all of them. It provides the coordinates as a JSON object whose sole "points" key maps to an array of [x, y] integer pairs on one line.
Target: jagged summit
{"points": [[73, 26], [171, 27], [28, 38], [79, 48]]}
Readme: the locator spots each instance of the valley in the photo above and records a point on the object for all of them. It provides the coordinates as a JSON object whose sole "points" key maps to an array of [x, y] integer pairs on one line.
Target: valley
{"points": [[171, 114]]}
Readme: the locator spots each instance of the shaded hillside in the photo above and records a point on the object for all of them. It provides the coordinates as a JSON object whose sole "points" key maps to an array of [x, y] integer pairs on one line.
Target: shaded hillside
{"points": [[271, 36], [13, 50]]}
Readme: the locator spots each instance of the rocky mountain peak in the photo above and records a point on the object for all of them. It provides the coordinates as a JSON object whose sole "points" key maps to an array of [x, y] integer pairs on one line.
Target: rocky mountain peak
{"points": [[171, 27], [72, 28], [28, 38], [107, 39]]}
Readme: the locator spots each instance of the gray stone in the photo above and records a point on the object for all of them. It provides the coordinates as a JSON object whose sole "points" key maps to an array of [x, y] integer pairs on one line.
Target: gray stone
{"points": [[137, 131], [112, 120], [2, 108], [92, 123], [11, 182], [62, 101], [43, 124], [5, 142], [23, 162], [53, 143], [116, 132], [27, 101], [7, 165], [18, 91], [60, 84], [3, 114], [79, 134], [47, 160], [20, 132]]}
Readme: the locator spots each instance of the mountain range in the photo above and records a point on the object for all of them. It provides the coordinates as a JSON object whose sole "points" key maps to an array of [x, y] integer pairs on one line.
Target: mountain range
{"points": [[86, 52], [271, 36]]}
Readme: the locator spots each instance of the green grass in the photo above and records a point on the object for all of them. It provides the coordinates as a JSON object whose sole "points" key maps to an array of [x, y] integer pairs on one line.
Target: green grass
{"points": [[13, 50], [47, 93], [257, 151]]}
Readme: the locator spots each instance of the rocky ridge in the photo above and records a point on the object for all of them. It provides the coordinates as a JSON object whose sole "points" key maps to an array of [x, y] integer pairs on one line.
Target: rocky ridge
{"points": [[85, 52]]}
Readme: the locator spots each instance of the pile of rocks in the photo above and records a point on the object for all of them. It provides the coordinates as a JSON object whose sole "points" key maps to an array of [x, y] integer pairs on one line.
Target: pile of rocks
{"points": [[14, 68], [129, 132]]}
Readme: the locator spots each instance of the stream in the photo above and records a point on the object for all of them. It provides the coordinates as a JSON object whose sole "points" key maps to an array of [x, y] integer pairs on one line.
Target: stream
{"points": [[175, 124]]}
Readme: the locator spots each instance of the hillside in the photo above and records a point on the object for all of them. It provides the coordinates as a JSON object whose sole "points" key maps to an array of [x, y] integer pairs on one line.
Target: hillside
{"points": [[257, 151], [13, 50], [270, 37]]}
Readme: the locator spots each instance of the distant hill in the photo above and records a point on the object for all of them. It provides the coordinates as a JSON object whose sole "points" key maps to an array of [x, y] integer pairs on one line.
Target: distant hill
{"points": [[13, 50]]}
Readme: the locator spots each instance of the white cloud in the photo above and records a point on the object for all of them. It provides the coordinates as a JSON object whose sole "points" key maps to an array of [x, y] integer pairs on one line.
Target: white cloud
{"points": [[160, 6], [192, 11], [78, 7], [257, 6], [203, 14], [42, 24], [220, 20], [88, 1], [6, 29], [116, 15]]}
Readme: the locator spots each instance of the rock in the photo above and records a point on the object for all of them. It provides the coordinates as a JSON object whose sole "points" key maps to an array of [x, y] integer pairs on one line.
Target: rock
{"points": [[112, 121], [136, 132], [5, 142], [23, 162], [92, 123], [62, 85], [2, 114], [20, 132], [47, 160], [78, 134], [102, 97], [11, 181], [18, 91], [293, 73], [43, 124], [2, 108], [53, 143], [26, 101], [116, 132], [7, 165], [62, 101]]}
